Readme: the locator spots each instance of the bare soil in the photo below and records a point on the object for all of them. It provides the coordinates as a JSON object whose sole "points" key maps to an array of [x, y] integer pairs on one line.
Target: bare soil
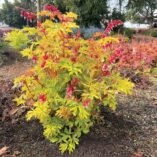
{"points": [[131, 131]]}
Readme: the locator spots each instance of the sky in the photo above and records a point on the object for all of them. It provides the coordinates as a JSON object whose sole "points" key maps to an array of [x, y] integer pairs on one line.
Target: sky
{"points": [[112, 2]]}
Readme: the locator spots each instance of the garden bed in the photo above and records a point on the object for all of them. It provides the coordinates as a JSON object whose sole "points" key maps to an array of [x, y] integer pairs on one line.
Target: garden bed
{"points": [[130, 131]]}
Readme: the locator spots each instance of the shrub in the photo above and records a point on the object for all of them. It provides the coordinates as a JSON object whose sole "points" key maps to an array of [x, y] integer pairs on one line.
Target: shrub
{"points": [[151, 32], [72, 77], [128, 32], [3, 48], [154, 33], [138, 56]]}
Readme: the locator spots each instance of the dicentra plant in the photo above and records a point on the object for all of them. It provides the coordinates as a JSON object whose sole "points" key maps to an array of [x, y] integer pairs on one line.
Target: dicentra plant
{"points": [[71, 77]]}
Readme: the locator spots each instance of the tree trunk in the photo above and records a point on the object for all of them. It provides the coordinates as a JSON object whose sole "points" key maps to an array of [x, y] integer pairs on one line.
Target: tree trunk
{"points": [[38, 9], [120, 6], [152, 19]]}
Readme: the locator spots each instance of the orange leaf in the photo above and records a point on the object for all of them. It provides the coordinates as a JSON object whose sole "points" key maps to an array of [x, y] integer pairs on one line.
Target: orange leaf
{"points": [[13, 111]]}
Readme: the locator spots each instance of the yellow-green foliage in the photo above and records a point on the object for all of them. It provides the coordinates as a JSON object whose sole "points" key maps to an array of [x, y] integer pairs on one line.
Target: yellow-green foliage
{"points": [[17, 39], [67, 84]]}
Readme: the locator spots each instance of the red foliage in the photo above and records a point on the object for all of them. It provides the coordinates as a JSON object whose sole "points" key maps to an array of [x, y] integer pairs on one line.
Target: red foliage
{"points": [[73, 59], [135, 55], [74, 82], [35, 58], [43, 64], [69, 91], [50, 8], [86, 103], [107, 45], [105, 67], [45, 57], [28, 15], [111, 25], [42, 97]]}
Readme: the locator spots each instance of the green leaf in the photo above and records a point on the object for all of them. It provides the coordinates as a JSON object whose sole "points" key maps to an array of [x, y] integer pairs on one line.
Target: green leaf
{"points": [[63, 147]]}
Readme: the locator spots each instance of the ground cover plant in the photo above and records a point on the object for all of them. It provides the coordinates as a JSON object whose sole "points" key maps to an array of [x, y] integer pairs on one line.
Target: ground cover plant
{"points": [[71, 78], [139, 56]]}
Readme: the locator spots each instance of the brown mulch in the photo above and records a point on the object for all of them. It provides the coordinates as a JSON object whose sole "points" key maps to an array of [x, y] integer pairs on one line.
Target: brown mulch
{"points": [[129, 132], [9, 72]]}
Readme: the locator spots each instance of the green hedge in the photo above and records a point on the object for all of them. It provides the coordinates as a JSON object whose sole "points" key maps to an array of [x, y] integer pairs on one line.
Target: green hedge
{"points": [[128, 32], [151, 32]]}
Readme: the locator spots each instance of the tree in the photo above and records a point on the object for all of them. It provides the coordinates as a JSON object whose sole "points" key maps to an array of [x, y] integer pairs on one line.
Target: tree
{"points": [[120, 5], [38, 9], [142, 10], [10, 15], [61, 6], [90, 12], [117, 15]]}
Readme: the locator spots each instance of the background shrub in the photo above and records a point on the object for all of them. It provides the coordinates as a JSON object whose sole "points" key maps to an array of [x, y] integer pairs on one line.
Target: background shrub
{"points": [[151, 32], [3, 49], [128, 32]]}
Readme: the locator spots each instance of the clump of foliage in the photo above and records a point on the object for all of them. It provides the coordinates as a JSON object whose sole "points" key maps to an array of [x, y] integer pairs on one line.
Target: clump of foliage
{"points": [[138, 56], [128, 32], [117, 15], [72, 76], [3, 47], [10, 15], [151, 32], [87, 15]]}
